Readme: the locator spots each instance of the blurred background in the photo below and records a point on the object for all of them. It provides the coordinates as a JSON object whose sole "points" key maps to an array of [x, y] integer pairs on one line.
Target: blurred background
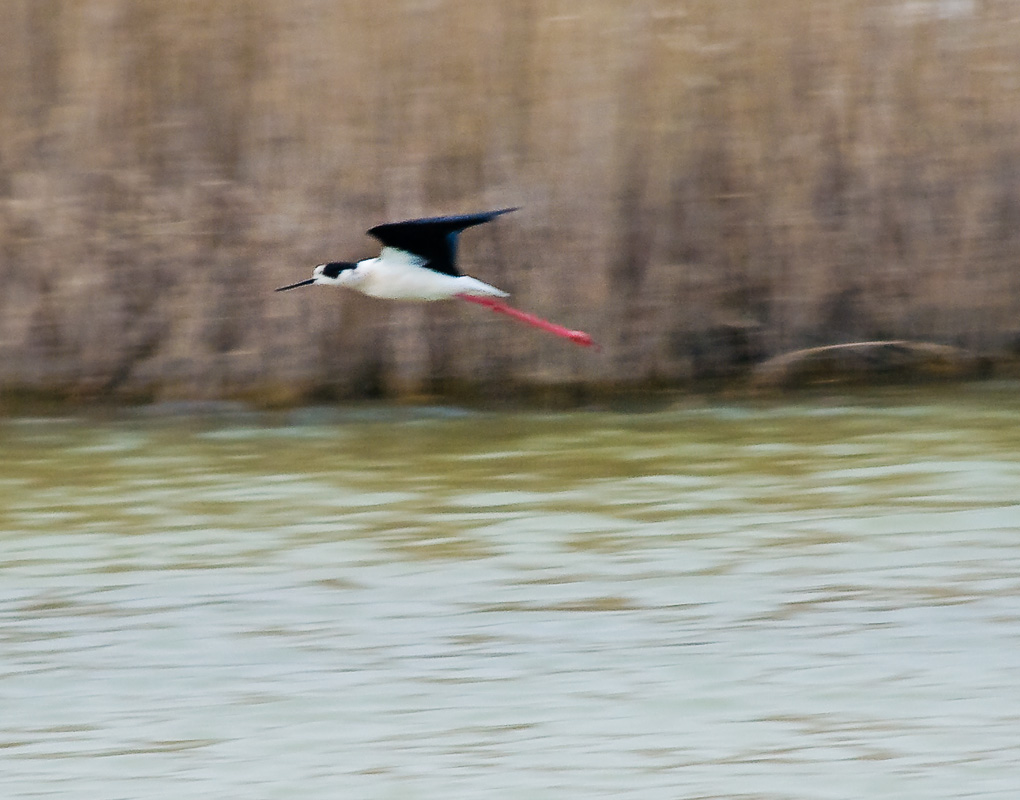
{"points": [[703, 185]]}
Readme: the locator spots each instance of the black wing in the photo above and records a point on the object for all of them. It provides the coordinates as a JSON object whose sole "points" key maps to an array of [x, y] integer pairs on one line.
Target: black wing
{"points": [[433, 238]]}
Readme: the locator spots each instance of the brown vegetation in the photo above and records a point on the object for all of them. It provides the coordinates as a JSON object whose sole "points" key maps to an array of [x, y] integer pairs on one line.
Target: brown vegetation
{"points": [[704, 184]]}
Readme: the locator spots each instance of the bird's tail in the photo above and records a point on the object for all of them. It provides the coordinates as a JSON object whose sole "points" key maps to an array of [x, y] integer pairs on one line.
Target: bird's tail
{"points": [[475, 287]]}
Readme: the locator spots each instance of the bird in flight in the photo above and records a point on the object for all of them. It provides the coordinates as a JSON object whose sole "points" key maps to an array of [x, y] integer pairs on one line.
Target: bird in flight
{"points": [[419, 262]]}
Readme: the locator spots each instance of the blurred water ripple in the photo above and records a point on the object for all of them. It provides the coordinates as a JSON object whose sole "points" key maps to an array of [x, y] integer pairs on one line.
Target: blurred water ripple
{"points": [[813, 600]]}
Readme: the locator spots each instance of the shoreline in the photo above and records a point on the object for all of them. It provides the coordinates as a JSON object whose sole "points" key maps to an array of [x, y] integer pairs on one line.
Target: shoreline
{"points": [[845, 369]]}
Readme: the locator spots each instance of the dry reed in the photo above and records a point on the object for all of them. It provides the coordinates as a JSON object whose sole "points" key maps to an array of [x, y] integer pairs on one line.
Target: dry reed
{"points": [[704, 184]]}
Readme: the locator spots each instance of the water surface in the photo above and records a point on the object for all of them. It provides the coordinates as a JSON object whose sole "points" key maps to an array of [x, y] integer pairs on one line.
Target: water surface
{"points": [[815, 599]]}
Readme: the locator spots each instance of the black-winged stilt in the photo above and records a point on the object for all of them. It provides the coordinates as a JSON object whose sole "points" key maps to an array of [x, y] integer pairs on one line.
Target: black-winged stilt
{"points": [[419, 262]]}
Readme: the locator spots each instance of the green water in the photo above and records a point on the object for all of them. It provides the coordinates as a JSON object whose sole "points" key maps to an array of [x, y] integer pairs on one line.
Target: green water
{"points": [[814, 599]]}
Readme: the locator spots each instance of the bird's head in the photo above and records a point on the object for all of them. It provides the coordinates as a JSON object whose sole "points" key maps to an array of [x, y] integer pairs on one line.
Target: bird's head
{"points": [[335, 273]]}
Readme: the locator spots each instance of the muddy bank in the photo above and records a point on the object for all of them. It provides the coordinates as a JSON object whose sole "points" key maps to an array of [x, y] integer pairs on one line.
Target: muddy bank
{"points": [[870, 362]]}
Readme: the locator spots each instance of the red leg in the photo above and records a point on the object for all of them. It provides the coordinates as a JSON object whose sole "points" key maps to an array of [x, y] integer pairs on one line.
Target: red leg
{"points": [[577, 337]]}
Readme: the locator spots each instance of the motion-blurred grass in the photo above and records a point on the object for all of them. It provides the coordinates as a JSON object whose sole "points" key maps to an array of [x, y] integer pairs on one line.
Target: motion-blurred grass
{"points": [[703, 184]]}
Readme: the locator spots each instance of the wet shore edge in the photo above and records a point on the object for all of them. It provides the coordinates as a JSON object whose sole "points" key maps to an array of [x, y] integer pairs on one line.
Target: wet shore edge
{"points": [[845, 366]]}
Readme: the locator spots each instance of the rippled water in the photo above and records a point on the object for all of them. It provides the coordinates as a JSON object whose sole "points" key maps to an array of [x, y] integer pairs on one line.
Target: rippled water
{"points": [[818, 599]]}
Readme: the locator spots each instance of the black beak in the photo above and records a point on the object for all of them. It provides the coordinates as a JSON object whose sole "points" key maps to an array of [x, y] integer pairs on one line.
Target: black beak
{"points": [[295, 285]]}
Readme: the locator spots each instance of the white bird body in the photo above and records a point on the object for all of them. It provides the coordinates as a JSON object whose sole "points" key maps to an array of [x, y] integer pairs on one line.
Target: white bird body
{"points": [[399, 275]]}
